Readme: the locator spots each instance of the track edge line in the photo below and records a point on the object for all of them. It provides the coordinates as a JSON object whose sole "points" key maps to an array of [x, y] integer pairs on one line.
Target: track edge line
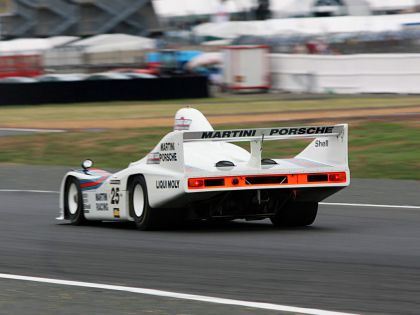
{"points": [[182, 296]]}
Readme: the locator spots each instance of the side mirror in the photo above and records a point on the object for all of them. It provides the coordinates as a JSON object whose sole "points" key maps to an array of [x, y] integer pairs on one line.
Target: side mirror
{"points": [[87, 164]]}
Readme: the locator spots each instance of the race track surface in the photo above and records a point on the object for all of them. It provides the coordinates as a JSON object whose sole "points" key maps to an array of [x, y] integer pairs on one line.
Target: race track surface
{"points": [[353, 259]]}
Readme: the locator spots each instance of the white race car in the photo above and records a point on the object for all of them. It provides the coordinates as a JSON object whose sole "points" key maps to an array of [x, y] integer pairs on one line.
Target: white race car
{"points": [[196, 172]]}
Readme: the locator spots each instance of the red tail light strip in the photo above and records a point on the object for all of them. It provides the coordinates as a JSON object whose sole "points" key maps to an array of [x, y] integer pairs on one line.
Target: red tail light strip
{"points": [[266, 180]]}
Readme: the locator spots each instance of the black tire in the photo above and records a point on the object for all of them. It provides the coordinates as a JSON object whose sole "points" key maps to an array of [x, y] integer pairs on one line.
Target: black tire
{"points": [[144, 216], [73, 202], [296, 214]]}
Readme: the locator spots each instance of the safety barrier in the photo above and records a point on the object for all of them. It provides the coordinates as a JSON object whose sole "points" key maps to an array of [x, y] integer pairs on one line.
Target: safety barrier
{"points": [[347, 74], [104, 90]]}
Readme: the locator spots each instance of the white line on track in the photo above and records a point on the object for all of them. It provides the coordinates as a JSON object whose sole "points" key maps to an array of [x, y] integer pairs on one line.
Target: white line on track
{"points": [[30, 191], [175, 295], [31, 130], [367, 205]]}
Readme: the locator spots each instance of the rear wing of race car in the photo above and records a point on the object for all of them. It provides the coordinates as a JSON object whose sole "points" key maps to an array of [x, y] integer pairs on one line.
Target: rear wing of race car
{"points": [[330, 144]]}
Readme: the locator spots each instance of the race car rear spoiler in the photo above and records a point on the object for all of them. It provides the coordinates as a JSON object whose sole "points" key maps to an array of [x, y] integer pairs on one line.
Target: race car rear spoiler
{"points": [[275, 133], [329, 145]]}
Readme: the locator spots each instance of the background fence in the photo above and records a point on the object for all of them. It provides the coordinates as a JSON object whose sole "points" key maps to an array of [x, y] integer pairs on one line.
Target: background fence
{"points": [[364, 73], [103, 90]]}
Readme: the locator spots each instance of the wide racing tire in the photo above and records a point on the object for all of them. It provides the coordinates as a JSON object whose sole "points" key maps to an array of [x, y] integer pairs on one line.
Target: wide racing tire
{"points": [[296, 214], [145, 217], [73, 202]]}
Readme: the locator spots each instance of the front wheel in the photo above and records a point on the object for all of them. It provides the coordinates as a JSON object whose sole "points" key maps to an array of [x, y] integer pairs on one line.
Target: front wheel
{"points": [[145, 217], [296, 214], [73, 202]]}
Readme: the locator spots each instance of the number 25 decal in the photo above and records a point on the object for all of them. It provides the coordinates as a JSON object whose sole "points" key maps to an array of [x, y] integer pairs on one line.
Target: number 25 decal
{"points": [[115, 196]]}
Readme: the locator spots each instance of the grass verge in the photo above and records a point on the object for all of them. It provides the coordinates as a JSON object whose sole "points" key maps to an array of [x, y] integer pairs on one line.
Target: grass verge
{"points": [[377, 149], [25, 116]]}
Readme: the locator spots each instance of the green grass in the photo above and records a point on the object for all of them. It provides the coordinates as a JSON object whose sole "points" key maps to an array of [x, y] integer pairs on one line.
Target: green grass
{"points": [[385, 150], [377, 149], [21, 115]]}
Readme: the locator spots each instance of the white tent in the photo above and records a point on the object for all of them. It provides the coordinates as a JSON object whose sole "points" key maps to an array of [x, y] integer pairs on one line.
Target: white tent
{"points": [[279, 8], [33, 45], [285, 8], [377, 5], [114, 42], [171, 8], [311, 26]]}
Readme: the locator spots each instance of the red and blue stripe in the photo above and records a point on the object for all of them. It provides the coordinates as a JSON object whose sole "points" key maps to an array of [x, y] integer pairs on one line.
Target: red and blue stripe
{"points": [[96, 182]]}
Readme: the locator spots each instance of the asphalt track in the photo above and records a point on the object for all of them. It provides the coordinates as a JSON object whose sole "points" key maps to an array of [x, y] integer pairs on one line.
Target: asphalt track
{"points": [[353, 259], [7, 132]]}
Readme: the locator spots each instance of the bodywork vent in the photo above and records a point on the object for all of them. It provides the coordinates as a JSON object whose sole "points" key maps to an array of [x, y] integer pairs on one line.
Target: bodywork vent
{"points": [[224, 164], [261, 180], [214, 182], [318, 178]]}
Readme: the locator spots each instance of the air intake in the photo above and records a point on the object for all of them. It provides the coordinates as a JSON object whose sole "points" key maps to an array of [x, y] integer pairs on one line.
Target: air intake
{"points": [[224, 164], [268, 162], [261, 180], [317, 178]]}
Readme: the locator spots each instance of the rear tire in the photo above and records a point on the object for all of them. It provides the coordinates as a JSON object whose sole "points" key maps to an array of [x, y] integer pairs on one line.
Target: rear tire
{"points": [[296, 214], [144, 216], [73, 202]]}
